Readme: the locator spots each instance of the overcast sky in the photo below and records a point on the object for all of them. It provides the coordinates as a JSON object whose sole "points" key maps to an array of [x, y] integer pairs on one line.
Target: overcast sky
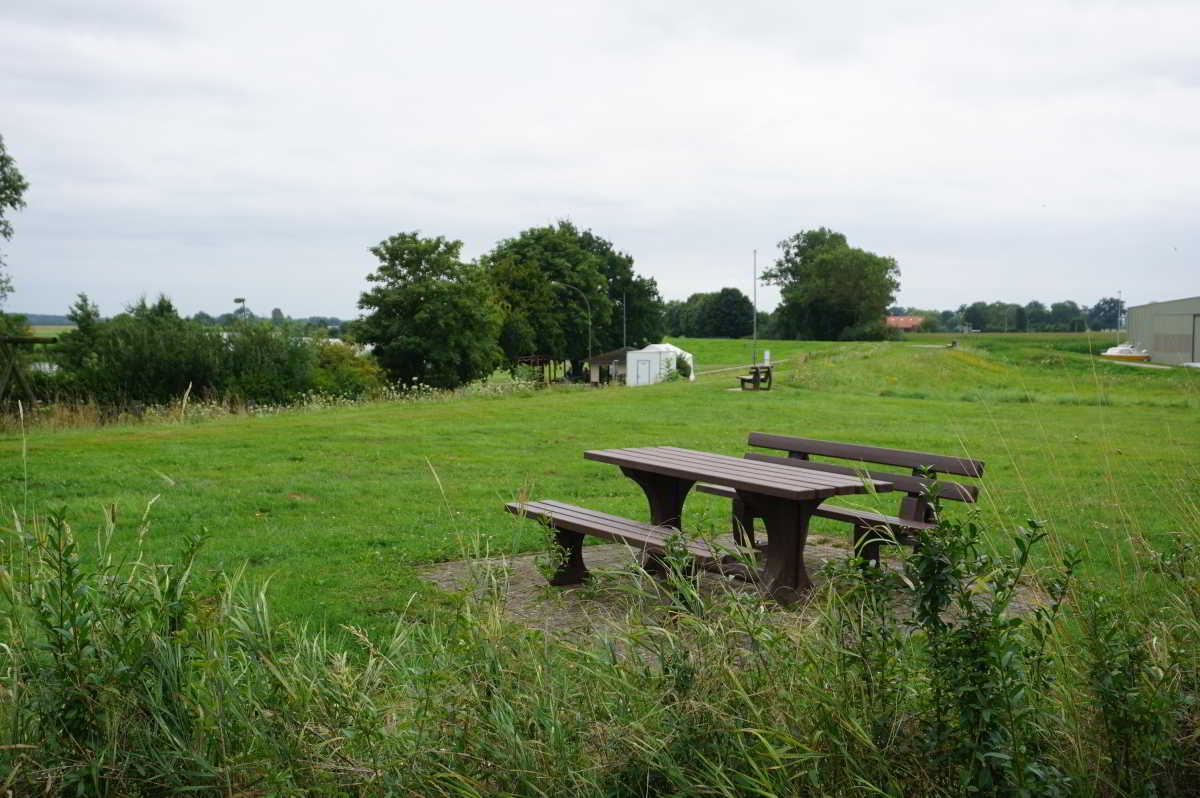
{"points": [[208, 150]]}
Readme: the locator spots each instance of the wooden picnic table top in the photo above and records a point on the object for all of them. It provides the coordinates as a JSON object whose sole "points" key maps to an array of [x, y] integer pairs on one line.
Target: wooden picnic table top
{"points": [[771, 479]]}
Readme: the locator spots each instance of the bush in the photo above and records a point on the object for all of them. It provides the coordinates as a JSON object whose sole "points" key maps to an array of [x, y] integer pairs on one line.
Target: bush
{"points": [[150, 355], [264, 363], [342, 372]]}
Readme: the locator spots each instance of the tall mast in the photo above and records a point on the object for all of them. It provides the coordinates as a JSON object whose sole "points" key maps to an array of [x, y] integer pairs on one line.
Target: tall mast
{"points": [[754, 345]]}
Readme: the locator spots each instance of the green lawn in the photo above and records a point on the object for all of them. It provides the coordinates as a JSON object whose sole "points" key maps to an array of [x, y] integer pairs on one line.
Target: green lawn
{"points": [[340, 507], [51, 329]]}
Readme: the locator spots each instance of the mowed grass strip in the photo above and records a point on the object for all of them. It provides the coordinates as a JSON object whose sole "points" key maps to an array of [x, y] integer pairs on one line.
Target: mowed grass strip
{"points": [[339, 508]]}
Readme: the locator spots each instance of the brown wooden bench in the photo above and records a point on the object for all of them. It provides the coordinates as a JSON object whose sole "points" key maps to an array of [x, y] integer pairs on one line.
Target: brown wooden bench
{"points": [[755, 380], [870, 529], [570, 523]]}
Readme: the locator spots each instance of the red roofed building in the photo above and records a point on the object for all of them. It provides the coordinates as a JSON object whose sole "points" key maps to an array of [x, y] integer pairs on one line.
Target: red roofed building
{"points": [[905, 323]]}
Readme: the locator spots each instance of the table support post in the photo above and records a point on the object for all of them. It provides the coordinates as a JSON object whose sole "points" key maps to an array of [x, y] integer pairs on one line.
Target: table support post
{"points": [[785, 577], [665, 495]]}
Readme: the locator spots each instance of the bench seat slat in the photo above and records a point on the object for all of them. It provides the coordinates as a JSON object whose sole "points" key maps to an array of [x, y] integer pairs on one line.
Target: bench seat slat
{"points": [[610, 527], [864, 518]]}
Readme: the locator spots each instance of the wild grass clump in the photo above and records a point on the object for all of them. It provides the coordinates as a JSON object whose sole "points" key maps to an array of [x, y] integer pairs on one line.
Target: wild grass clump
{"points": [[126, 677], [70, 413]]}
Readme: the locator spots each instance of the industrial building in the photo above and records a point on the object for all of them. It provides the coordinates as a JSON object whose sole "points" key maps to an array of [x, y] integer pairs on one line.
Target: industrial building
{"points": [[1169, 331]]}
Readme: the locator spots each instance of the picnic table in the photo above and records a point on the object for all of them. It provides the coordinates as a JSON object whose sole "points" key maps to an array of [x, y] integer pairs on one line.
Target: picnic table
{"points": [[783, 496]]}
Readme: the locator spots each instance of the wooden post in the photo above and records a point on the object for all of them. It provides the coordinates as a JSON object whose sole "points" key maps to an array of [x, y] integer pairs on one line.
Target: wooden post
{"points": [[10, 366]]}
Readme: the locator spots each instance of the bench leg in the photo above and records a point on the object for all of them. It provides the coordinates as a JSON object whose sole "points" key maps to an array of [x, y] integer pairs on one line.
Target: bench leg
{"points": [[742, 524], [571, 570], [866, 544]]}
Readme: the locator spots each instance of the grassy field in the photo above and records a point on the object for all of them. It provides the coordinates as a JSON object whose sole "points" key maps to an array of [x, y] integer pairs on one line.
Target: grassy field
{"points": [[51, 329], [340, 508], [135, 676]]}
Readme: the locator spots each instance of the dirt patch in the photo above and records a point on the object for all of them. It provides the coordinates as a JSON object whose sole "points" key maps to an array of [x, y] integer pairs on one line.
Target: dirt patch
{"points": [[617, 588]]}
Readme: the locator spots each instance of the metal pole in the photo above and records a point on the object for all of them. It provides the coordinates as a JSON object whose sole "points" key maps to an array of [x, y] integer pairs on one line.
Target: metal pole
{"points": [[624, 319], [754, 345]]}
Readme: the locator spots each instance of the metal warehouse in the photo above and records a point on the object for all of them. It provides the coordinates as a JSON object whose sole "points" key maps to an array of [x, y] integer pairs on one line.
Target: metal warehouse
{"points": [[1170, 331]]}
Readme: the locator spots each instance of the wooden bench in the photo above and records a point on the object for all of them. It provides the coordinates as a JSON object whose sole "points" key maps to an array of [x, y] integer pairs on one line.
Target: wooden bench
{"points": [[570, 523], [870, 529], [755, 379]]}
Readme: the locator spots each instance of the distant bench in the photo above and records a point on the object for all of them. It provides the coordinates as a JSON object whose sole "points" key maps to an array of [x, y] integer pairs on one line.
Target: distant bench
{"points": [[570, 523], [870, 529], [756, 378]]}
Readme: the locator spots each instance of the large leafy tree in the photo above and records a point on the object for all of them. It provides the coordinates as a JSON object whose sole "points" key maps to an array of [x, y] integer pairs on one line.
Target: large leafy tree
{"points": [[637, 316], [1106, 314], [12, 193], [832, 290], [551, 280], [431, 317], [728, 314]]}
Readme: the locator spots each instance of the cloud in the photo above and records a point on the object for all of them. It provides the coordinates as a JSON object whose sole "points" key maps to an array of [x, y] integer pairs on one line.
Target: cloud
{"points": [[1031, 150]]}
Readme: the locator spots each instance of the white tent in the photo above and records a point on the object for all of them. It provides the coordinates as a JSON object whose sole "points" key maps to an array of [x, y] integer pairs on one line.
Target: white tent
{"points": [[652, 364]]}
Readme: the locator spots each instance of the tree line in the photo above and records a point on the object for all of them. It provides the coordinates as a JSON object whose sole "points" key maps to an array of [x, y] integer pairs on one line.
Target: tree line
{"points": [[1035, 316]]}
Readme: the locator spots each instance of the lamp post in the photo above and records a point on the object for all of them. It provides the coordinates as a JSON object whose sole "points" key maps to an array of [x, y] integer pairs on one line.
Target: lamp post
{"points": [[588, 305]]}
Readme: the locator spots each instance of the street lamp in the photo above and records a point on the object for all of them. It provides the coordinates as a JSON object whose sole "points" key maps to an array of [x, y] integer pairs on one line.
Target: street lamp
{"points": [[589, 318]]}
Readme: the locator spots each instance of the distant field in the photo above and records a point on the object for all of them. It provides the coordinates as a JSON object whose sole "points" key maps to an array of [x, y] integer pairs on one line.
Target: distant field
{"points": [[51, 329], [339, 508]]}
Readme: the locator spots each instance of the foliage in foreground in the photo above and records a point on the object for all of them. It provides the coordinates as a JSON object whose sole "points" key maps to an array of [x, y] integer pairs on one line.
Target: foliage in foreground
{"points": [[131, 678]]}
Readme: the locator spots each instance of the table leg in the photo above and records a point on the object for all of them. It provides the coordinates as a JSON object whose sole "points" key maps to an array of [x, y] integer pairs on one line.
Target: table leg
{"points": [[785, 577], [666, 496]]}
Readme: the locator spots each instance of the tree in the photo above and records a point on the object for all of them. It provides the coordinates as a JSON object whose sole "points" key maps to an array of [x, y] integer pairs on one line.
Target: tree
{"points": [[974, 316], [277, 317], [12, 192], [1106, 314], [1066, 316], [691, 314], [832, 290], [637, 317], [1036, 315], [727, 313], [431, 318], [673, 318], [548, 319]]}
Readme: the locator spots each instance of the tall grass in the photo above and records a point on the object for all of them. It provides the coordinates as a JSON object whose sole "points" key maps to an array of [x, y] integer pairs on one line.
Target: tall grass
{"points": [[127, 677]]}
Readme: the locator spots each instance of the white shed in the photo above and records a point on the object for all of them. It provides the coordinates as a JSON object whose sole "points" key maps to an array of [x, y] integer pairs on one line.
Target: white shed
{"points": [[653, 363]]}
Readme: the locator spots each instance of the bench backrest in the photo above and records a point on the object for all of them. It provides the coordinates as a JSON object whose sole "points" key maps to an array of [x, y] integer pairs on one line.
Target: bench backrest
{"points": [[916, 486]]}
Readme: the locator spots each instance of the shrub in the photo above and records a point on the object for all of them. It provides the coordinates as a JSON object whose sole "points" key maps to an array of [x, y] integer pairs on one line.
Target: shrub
{"points": [[342, 372], [264, 363]]}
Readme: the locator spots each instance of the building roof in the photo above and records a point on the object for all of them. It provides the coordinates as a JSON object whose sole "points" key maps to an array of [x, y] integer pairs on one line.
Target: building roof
{"points": [[1161, 302], [616, 354], [905, 321]]}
